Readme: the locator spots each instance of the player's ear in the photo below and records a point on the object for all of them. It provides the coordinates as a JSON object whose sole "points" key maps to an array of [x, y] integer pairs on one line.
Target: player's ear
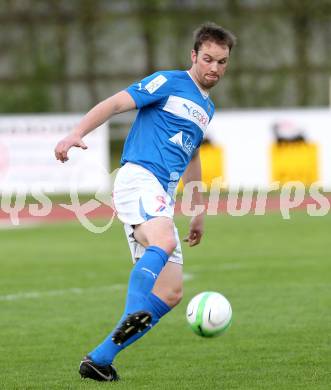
{"points": [[194, 56]]}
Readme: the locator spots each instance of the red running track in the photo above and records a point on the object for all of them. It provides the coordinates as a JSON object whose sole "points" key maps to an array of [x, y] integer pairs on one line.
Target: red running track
{"points": [[224, 206]]}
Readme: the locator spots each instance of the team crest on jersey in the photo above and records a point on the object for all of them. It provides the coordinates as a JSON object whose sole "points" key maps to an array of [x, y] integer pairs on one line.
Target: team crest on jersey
{"points": [[184, 141], [155, 84]]}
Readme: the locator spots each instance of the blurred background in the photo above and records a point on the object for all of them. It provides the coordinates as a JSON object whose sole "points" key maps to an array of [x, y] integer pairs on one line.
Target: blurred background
{"points": [[65, 56], [62, 288]]}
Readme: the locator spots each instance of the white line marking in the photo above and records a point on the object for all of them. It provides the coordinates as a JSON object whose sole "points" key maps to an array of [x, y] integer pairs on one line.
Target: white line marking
{"points": [[5, 224], [187, 276], [55, 293], [74, 290]]}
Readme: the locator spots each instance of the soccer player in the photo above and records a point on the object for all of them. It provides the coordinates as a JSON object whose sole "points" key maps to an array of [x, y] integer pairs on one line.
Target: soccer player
{"points": [[163, 145]]}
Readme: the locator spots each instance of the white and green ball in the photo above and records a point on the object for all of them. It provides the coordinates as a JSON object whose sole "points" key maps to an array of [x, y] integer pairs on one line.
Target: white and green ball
{"points": [[209, 314]]}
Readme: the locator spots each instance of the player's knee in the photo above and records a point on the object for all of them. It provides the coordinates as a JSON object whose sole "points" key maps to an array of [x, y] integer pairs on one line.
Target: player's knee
{"points": [[157, 232], [169, 244], [174, 296]]}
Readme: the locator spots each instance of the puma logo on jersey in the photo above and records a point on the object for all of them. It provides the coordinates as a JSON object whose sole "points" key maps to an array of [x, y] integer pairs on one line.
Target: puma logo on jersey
{"points": [[187, 109]]}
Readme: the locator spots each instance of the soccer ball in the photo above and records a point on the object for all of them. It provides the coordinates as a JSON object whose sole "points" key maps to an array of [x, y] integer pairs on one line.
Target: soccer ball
{"points": [[209, 314]]}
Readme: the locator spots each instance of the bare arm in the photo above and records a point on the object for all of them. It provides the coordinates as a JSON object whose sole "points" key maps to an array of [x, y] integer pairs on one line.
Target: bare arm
{"points": [[120, 102], [193, 173]]}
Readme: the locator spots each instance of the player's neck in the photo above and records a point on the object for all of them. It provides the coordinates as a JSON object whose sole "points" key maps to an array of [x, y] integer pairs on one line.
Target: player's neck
{"points": [[204, 91]]}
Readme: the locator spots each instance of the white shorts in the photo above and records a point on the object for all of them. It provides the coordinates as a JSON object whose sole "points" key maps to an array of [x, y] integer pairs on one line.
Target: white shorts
{"points": [[138, 196]]}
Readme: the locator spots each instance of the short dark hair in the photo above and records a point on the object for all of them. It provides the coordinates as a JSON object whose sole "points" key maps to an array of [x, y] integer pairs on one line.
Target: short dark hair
{"points": [[212, 32]]}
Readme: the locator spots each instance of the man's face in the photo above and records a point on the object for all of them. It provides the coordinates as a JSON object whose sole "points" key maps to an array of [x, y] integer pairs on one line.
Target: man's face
{"points": [[209, 63]]}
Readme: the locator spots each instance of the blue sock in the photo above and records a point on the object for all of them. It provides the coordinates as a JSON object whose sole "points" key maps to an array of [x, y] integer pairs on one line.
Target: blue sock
{"points": [[105, 353], [139, 297], [143, 277]]}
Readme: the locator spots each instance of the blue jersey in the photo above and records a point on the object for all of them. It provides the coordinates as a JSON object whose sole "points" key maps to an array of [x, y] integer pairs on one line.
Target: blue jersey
{"points": [[172, 119]]}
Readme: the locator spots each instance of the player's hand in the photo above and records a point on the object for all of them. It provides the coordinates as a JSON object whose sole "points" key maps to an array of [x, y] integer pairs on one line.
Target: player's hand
{"points": [[196, 230], [61, 150]]}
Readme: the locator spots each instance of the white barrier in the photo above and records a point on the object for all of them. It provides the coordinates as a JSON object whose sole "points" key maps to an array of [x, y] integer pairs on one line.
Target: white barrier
{"points": [[250, 156], [28, 164], [250, 153]]}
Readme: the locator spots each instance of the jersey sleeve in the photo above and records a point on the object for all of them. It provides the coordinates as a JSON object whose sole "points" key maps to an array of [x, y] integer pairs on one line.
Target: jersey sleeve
{"points": [[151, 89]]}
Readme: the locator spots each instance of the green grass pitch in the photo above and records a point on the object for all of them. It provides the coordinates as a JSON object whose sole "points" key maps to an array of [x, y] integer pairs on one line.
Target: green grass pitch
{"points": [[62, 289]]}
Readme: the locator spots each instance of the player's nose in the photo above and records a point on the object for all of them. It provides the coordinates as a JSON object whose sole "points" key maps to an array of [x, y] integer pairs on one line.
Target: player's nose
{"points": [[213, 66]]}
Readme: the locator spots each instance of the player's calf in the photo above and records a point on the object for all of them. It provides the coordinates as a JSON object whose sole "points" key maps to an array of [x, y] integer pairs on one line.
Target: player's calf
{"points": [[169, 285], [171, 296]]}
